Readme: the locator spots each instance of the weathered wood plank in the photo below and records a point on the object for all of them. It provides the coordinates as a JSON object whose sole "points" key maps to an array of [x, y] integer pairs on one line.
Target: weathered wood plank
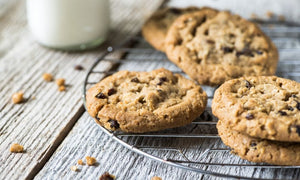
{"points": [[86, 139], [41, 123]]}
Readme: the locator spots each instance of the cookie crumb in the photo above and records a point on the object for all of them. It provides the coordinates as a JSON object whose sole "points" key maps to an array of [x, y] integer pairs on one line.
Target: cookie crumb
{"points": [[156, 178], [78, 68], [60, 82], [74, 168], [48, 77], [253, 16], [61, 88], [80, 162], [17, 97], [269, 14], [90, 160], [16, 148], [107, 176], [281, 18]]}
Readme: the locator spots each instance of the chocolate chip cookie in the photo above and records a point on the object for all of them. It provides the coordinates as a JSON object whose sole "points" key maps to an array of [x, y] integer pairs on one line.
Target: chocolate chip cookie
{"points": [[266, 107], [145, 101], [214, 47], [259, 150], [156, 27]]}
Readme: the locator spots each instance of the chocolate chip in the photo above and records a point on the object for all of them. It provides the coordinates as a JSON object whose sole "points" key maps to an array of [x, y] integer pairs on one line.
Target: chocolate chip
{"points": [[100, 96], [227, 49], [210, 41], [290, 108], [282, 113], [142, 101], [136, 80], [193, 31], [111, 91], [248, 84], [249, 116], [106, 176], [97, 117], [206, 32], [231, 35], [245, 52], [114, 124], [298, 105], [78, 67], [166, 116], [298, 129], [162, 80], [252, 144], [203, 20], [159, 90], [294, 96], [259, 52], [175, 11]]}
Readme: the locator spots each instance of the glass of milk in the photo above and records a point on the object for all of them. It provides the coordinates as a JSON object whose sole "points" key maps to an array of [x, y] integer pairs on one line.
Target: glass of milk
{"points": [[69, 24]]}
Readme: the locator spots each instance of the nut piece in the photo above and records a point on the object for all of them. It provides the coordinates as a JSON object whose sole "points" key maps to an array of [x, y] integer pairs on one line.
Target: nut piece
{"points": [[80, 162], [60, 82], [90, 160], [74, 168], [61, 88], [107, 176], [16, 148], [269, 14], [156, 178], [17, 97], [281, 18], [47, 77]]}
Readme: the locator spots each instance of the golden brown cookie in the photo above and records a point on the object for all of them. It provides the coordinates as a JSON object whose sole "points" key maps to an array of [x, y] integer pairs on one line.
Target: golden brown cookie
{"points": [[260, 150], [266, 107], [214, 47], [145, 101], [156, 27]]}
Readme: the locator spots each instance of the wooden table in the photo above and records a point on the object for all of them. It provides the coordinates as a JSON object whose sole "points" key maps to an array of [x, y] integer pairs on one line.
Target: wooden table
{"points": [[54, 127]]}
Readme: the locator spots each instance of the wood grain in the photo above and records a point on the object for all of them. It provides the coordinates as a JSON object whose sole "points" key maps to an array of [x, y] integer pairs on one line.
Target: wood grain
{"points": [[44, 123], [41, 123]]}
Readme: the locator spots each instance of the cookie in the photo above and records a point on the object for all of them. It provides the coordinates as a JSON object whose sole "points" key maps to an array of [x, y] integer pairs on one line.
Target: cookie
{"points": [[145, 101], [266, 107], [259, 150], [156, 27], [214, 47]]}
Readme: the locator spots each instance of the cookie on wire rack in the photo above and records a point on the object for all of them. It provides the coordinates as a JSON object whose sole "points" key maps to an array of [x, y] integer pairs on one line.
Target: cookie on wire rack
{"points": [[214, 47], [156, 27], [260, 150], [266, 107], [145, 101]]}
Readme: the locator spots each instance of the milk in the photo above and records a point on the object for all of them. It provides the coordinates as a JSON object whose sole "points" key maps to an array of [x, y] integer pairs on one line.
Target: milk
{"points": [[69, 24]]}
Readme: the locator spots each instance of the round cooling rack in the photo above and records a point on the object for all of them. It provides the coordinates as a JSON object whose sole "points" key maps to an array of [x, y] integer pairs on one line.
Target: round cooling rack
{"points": [[196, 147]]}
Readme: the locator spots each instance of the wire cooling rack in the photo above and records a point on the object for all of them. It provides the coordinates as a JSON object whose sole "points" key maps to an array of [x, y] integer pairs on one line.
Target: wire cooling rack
{"points": [[196, 147]]}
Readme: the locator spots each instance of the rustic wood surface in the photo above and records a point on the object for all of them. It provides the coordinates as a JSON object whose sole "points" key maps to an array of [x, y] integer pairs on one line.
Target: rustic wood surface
{"points": [[56, 131], [45, 119]]}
